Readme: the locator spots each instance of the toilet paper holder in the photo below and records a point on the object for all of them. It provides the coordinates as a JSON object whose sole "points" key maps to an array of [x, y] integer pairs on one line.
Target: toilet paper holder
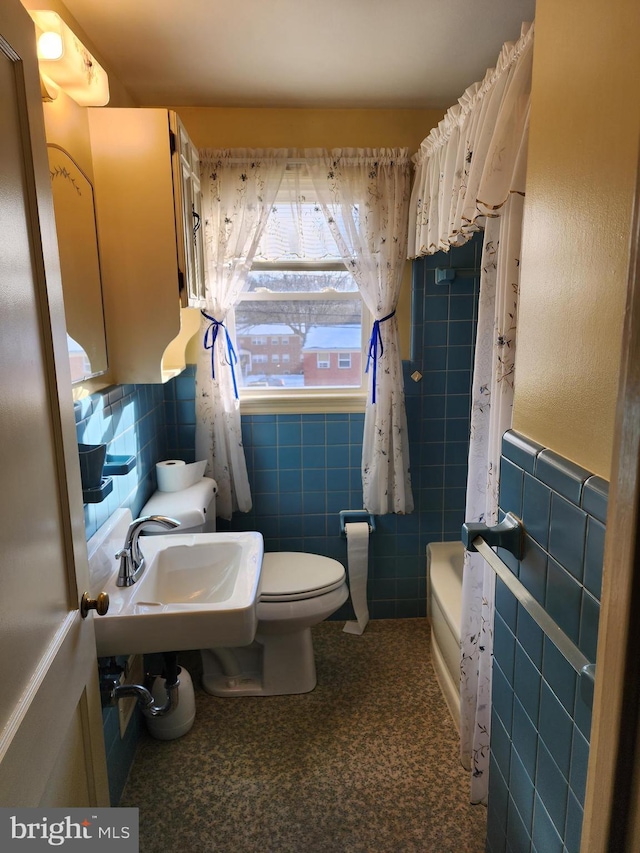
{"points": [[351, 515]]}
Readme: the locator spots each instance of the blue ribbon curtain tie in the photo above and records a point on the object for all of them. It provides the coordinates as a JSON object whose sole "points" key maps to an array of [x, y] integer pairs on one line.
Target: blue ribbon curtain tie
{"points": [[210, 338], [376, 349]]}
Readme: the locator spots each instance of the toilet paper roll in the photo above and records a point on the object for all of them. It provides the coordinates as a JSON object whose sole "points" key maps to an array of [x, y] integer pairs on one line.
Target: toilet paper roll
{"points": [[358, 567], [174, 474]]}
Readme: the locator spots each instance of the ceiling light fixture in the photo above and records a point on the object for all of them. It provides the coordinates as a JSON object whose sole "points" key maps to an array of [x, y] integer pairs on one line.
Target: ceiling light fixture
{"points": [[64, 61]]}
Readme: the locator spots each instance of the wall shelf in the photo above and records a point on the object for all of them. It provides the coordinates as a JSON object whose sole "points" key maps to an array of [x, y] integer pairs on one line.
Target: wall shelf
{"points": [[97, 495], [116, 466]]}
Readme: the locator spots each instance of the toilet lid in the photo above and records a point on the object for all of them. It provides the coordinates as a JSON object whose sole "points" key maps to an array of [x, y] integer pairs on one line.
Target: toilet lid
{"points": [[292, 576]]}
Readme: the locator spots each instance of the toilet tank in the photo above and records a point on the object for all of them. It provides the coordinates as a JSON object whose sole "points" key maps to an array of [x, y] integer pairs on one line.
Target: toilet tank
{"points": [[194, 508]]}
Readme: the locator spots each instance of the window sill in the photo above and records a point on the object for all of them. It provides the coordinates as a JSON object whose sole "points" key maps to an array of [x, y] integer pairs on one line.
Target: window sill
{"points": [[303, 404]]}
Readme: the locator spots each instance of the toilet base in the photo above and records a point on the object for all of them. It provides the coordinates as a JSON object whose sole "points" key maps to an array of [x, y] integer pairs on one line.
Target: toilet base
{"points": [[273, 665]]}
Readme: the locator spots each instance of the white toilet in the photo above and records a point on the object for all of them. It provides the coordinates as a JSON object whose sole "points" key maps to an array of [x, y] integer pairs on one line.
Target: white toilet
{"points": [[297, 591]]}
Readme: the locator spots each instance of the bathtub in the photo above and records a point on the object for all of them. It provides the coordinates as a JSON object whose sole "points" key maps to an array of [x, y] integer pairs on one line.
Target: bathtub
{"points": [[444, 608]]}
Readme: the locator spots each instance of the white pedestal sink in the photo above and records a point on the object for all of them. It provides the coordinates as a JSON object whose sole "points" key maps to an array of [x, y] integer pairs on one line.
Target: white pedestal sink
{"points": [[196, 591]]}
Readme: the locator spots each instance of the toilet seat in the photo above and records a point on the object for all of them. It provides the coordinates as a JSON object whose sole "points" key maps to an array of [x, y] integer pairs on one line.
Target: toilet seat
{"points": [[295, 576]]}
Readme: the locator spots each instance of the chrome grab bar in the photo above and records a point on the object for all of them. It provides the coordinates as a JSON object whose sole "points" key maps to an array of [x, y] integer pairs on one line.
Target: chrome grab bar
{"points": [[566, 647]]}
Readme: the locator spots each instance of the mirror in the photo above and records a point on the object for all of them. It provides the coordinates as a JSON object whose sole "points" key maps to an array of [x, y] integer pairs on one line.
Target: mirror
{"points": [[79, 265]]}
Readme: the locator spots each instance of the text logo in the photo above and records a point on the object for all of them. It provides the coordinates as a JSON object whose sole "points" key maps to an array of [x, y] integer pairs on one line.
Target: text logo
{"points": [[27, 829]]}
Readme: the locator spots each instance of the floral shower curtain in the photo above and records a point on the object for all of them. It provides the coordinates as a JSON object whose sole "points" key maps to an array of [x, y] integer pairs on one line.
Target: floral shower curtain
{"points": [[364, 194], [239, 189], [470, 176], [491, 410]]}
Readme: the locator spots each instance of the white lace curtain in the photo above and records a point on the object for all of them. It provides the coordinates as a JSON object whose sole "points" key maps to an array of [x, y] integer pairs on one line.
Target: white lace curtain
{"points": [[461, 170], [470, 176], [364, 195], [239, 188]]}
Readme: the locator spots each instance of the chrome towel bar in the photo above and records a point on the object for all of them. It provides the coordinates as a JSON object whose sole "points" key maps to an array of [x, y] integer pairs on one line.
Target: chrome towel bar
{"points": [[567, 648]]}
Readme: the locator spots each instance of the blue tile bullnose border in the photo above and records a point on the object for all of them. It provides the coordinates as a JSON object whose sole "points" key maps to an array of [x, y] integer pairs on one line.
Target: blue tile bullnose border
{"points": [[562, 475], [565, 477], [595, 497], [521, 450]]}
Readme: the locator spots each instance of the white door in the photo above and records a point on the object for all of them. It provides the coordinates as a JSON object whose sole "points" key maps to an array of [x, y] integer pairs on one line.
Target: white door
{"points": [[51, 744]]}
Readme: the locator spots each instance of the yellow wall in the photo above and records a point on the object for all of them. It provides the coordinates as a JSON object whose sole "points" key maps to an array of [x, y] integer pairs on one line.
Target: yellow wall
{"points": [[239, 127], [583, 150], [236, 127]]}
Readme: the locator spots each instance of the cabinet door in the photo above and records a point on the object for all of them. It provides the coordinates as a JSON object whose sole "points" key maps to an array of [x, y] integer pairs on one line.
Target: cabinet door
{"points": [[135, 196], [189, 214]]}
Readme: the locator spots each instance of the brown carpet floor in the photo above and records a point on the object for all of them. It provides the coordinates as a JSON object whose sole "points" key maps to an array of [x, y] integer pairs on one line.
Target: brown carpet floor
{"points": [[365, 763]]}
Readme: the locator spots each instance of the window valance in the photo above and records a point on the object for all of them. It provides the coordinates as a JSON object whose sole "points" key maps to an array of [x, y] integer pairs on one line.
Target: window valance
{"points": [[470, 163]]}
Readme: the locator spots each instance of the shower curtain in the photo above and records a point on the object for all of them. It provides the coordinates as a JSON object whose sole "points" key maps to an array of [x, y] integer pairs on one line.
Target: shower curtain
{"points": [[491, 409], [471, 176]]}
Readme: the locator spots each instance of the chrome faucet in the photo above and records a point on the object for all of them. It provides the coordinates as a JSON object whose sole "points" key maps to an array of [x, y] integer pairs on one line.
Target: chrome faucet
{"points": [[131, 557]]}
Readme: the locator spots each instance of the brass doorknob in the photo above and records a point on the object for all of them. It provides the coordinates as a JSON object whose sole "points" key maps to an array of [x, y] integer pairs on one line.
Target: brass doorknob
{"points": [[99, 604]]}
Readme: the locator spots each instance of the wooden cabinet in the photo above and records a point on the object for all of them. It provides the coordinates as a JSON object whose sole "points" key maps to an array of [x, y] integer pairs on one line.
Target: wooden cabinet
{"points": [[147, 198]]}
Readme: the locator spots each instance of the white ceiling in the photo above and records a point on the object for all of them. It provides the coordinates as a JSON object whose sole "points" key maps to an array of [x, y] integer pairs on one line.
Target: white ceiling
{"points": [[300, 53]]}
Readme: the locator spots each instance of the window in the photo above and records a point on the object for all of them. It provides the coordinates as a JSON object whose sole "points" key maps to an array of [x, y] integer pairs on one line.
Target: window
{"points": [[319, 311], [301, 297]]}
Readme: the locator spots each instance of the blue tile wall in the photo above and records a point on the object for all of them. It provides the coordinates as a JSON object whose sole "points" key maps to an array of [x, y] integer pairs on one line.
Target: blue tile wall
{"points": [[304, 469], [130, 419], [443, 328], [540, 722], [180, 415]]}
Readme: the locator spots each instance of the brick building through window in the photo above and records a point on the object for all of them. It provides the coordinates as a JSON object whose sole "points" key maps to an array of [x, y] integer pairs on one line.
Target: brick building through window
{"points": [[268, 350], [332, 357]]}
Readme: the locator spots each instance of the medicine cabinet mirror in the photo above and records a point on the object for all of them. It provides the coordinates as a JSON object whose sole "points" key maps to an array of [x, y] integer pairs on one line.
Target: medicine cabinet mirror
{"points": [[79, 265]]}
